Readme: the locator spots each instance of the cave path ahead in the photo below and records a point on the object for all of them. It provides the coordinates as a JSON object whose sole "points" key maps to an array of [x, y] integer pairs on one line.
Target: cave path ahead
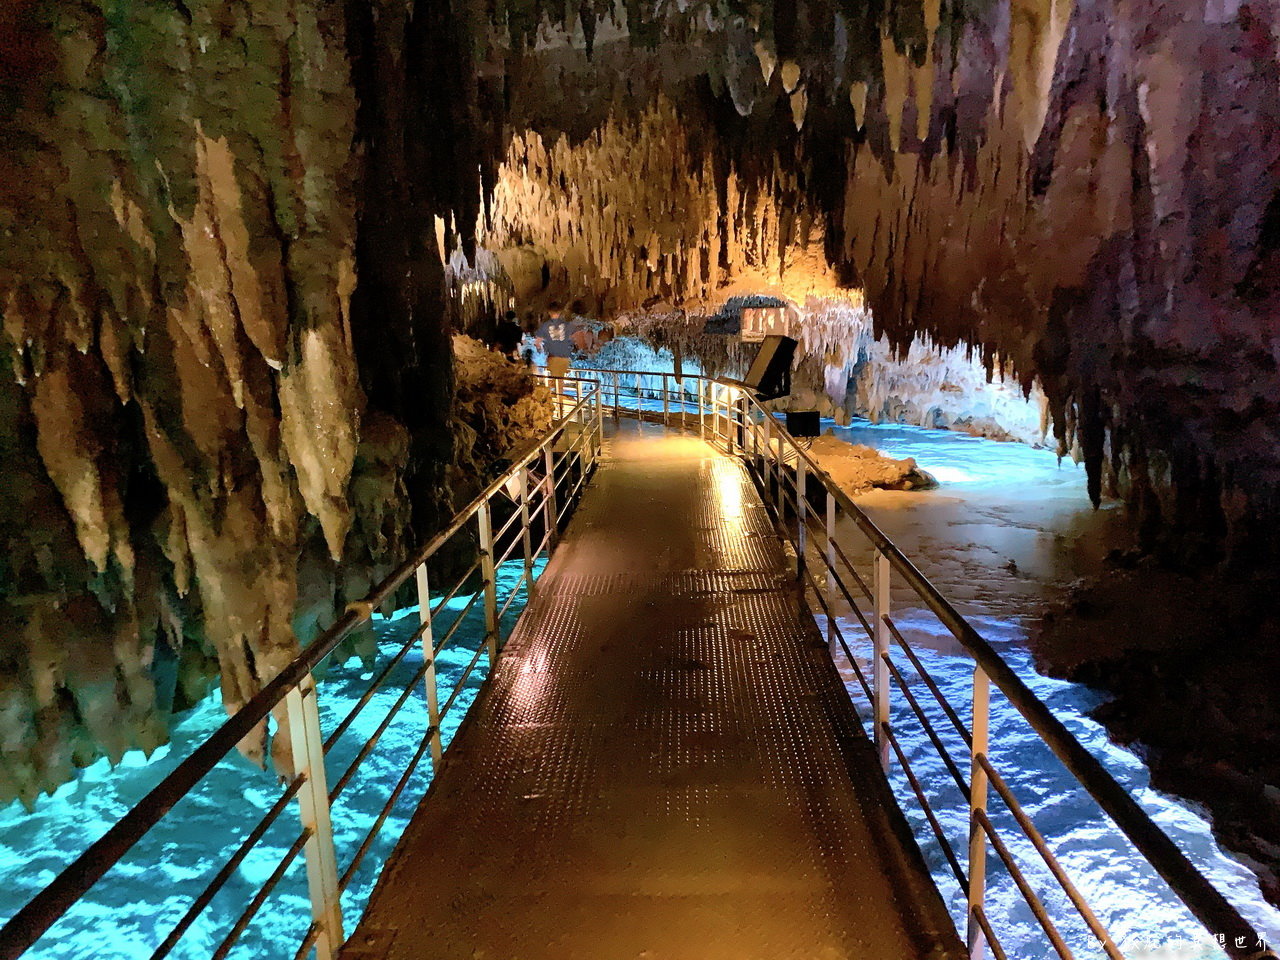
{"points": [[664, 763]]}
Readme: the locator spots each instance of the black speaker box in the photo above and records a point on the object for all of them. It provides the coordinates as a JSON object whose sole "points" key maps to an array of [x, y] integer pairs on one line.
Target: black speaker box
{"points": [[804, 423], [770, 374]]}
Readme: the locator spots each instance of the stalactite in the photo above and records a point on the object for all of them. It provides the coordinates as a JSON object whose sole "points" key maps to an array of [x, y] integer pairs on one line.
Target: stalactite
{"points": [[226, 299], [1050, 173], [579, 205], [181, 386]]}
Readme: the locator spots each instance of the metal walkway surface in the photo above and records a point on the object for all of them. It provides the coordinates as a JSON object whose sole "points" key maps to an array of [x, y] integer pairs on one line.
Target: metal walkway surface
{"points": [[664, 764]]}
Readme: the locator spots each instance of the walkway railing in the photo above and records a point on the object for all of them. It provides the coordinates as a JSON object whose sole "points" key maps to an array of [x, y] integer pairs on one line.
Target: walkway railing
{"points": [[808, 507], [515, 520]]}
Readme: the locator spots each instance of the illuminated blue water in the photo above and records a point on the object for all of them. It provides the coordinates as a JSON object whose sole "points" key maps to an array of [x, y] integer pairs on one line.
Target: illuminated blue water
{"points": [[1007, 529], [124, 917]]}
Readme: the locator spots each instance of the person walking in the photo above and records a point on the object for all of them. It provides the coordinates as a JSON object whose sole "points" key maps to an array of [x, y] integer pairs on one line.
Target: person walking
{"points": [[556, 335]]}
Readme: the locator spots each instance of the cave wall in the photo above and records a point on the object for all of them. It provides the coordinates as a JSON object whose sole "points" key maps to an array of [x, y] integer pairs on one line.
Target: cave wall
{"points": [[1086, 193], [202, 409], [226, 356], [1099, 220], [179, 373]]}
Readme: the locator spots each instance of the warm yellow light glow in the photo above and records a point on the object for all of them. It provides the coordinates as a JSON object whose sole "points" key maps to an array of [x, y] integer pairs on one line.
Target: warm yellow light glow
{"points": [[729, 495]]}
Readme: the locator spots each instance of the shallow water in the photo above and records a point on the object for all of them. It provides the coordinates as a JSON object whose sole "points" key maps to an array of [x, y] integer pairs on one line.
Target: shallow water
{"points": [[1007, 529], [122, 917]]}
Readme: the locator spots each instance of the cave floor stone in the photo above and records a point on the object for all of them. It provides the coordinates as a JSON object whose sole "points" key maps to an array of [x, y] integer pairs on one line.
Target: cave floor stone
{"points": [[664, 764]]}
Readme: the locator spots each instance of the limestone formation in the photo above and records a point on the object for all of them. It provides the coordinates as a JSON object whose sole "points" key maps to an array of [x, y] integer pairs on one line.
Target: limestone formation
{"points": [[237, 239], [856, 468]]}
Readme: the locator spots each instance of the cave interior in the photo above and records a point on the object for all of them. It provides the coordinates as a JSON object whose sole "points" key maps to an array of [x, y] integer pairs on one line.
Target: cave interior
{"points": [[249, 247]]}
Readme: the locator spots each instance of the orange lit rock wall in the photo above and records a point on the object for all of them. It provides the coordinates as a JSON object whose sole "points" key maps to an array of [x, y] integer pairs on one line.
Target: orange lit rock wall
{"points": [[225, 344], [182, 412], [1087, 194], [188, 194]]}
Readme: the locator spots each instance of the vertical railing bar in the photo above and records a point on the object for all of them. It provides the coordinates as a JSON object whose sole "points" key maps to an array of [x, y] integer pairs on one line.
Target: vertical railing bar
{"points": [[802, 525], [702, 408], [429, 657], [600, 404], [485, 524], [526, 532], [881, 588], [552, 515], [980, 915], [307, 747], [831, 565], [980, 728]]}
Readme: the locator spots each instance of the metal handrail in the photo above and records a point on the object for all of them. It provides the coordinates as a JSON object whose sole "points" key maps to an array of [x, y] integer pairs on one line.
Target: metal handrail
{"points": [[728, 417], [744, 427], [293, 684]]}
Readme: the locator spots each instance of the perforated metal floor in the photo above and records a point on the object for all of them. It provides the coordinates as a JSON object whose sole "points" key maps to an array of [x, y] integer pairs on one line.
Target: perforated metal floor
{"points": [[664, 765]]}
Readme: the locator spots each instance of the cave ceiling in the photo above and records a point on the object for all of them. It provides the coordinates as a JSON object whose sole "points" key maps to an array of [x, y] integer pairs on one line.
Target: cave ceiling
{"points": [[226, 316]]}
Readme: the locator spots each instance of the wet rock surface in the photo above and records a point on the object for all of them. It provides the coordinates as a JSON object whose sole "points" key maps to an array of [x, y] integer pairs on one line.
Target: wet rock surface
{"points": [[1188, 663], [855, 467]]}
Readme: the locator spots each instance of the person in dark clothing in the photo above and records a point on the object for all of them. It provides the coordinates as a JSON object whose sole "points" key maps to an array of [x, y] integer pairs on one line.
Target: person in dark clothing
{"points": [[556, 335], [508, 335]]}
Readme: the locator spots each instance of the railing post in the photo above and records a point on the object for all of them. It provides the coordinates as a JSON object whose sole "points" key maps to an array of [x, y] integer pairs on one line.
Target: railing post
{"points": [[731, 420], [526, 534], [599, 407], [880, 645], [702, 408], [756, 464], [551, 513], [730, 415], [307, 744], [779, 465], [429, 659], [802, 516], [718, 407], [978, 801], [666, 402], [488, 571], [617, 399]]}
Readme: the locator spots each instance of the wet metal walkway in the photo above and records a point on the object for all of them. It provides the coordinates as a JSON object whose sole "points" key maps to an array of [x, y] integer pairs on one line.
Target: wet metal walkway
{"points": [[664, 764]]}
